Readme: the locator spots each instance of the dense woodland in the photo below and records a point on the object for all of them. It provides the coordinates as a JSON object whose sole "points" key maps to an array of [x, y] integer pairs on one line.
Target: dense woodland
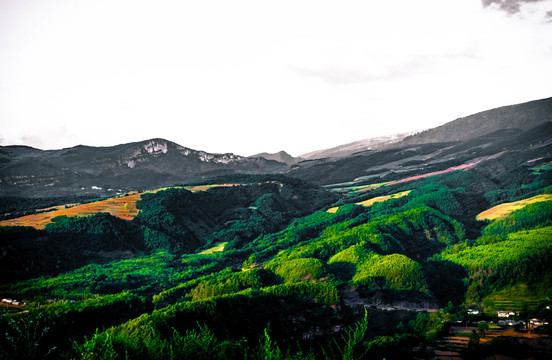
{"points": [[262, 270]]}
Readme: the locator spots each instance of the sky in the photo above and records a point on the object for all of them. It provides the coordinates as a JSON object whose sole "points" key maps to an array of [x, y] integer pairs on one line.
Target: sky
{"points": [[261, 76]]}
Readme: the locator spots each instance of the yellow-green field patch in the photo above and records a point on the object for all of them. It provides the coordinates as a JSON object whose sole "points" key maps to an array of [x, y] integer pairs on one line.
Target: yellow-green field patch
{"points": [[207, 187], [356, 189], [503, 210], [372, 201], [363, 188], [217, 248]]}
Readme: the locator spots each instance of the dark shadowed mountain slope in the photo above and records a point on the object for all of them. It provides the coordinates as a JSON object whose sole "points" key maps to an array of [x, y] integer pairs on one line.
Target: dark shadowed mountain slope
{"points": [[491, 153], [521, 116], [147, 164], [504, 136]]}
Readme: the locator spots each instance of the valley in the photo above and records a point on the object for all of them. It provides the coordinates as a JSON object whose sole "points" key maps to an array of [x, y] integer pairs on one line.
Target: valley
{"points": [[393, 251]]}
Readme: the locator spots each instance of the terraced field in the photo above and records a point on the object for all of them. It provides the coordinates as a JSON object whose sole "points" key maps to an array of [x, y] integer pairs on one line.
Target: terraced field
{"points": [[518, 297]]}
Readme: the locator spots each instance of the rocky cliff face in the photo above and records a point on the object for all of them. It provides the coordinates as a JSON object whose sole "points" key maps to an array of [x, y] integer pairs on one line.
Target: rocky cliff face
{"points": [[157, 148]]}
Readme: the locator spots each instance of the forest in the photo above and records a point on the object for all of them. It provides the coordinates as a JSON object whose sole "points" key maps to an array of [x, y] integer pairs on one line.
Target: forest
{"points": [[262, 270]]}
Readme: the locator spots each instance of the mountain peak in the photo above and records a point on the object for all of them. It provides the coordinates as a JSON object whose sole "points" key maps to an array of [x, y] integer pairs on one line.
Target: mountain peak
{"points": [[280, 156]]}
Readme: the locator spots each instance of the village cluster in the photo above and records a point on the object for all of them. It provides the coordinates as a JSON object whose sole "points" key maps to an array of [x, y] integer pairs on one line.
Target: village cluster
{"points": [[511, 318]]}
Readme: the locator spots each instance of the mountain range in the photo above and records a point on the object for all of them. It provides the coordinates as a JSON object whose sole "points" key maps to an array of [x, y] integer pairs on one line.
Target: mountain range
{"points": [[145, 164], [527, 128]]}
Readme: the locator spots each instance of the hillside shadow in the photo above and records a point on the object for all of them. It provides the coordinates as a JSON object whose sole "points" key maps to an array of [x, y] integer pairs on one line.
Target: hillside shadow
{"points": [[343, 271], [445, 280]]}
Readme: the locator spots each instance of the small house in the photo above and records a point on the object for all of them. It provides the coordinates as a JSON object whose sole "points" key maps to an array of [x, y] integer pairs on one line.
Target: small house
{"points": [[537, 322], [505, 314]]}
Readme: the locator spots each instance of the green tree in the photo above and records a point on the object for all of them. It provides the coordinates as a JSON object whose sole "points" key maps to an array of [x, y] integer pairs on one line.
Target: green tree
{"points": [[482, 328]]}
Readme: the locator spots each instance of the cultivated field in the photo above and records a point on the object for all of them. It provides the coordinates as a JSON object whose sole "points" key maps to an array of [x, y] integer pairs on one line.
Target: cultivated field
{"points": [[503, 210], [372, 201], [217, 248], [122, 206]]}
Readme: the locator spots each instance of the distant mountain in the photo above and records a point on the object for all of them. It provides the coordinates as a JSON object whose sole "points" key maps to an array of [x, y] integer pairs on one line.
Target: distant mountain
{"points": [[349, 149], [523, 116], [281, 156], [152, 163], [523, 129], [491, 140]]}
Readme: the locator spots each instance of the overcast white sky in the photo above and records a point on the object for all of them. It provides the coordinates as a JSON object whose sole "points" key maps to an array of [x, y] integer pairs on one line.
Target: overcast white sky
{"points": [[253, 76]]}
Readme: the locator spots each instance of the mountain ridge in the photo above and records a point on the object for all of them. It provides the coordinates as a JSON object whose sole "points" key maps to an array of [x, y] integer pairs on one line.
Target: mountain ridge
{"points": [[481, 138], [148, 163], [521, 116], [27, 171]]}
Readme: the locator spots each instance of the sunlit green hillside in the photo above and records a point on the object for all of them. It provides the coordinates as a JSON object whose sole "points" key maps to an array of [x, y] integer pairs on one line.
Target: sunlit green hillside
{"points": [[262, 270]]}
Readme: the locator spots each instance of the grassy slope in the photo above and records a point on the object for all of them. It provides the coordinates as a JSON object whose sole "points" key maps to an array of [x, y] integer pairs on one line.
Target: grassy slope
{"points": [[311, 254]]}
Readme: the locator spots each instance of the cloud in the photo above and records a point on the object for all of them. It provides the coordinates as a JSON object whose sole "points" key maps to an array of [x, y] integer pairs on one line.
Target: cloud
{"points": [[409, 66], [342, 76], [512, 6], [339, 76]]}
